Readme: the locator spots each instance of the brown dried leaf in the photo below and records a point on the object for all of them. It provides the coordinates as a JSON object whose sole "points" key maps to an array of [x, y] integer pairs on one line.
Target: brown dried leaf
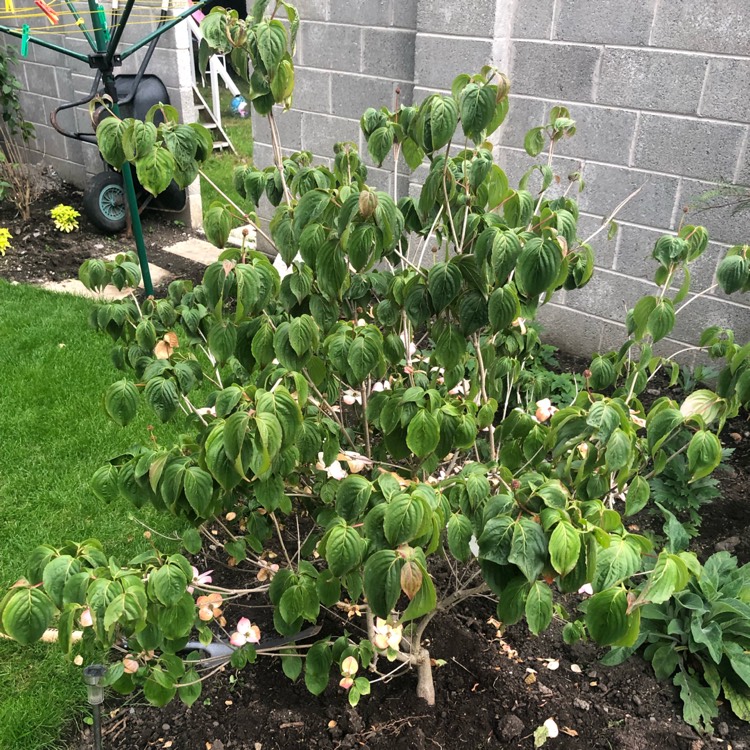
{"points": [[411, 578]]}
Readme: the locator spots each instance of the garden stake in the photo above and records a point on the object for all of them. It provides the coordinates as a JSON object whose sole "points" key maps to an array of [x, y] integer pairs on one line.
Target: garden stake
{"points": [[92, 678]]}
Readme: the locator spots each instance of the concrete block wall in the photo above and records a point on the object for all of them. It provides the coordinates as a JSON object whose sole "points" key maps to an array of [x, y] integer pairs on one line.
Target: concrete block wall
{"points": [[658, 89]]}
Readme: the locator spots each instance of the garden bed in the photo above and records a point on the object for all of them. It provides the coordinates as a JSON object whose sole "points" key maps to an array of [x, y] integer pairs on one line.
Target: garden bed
{"points": [[491, 691]]}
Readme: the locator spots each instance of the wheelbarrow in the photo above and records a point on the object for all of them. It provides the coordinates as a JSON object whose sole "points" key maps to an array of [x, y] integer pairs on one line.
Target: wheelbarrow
{"points": [[104, 200]]}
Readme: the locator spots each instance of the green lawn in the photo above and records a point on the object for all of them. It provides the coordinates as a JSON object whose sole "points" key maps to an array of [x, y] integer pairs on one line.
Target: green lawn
{"points": [[53, 435], [219, 169]]}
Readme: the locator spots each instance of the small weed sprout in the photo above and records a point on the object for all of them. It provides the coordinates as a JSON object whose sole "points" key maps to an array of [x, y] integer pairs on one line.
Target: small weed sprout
{"points": [[65, 217]]}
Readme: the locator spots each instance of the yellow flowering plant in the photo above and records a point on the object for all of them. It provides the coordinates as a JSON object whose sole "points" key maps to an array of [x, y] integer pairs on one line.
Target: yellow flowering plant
{"points": [[65, 217], [5, 238]]}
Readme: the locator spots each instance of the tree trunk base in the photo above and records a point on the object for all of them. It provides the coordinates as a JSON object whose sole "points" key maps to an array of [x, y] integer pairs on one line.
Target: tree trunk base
{"points": [[425, 685]]}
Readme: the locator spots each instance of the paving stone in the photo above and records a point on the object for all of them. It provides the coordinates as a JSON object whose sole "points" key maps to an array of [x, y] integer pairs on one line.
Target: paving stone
{"points": [[199, 251]]}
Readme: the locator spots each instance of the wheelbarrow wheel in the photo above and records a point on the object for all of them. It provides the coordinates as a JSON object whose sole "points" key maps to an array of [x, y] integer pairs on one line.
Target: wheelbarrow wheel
{"points": [[104, 202]]}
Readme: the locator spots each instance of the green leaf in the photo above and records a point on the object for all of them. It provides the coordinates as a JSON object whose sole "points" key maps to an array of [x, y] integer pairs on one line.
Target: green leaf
{"points": [[503, 307], [190, 689], [704, 454], [271, 39], [138, 139], [496, 539], [738, 699], [606, 616], [637, 496], [217, 223], [661, 320], [109, 138], [382, 581], [617, 562], [534, 141], [156, 693], [698, 702], [222, 340], [121, 402], [443, 283], [317, 668], [443, 120], [670, 574], [311, 205], [26, 615], [163, 397], [450, 347], [156, 170], [168, 584], [618, 453], [379, 143], [564, 547], [477, 110], [423, 433], [528, 548], [56, 575], [538, 266], [344, 548], [459, 536], [403, 519], [364, 356], [192, 541], [538, 608], [352, 496], [104, 484], [731, 274], [199, 487]]}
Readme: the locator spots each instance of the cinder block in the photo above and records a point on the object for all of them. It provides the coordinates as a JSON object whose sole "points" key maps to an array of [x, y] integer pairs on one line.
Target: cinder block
{"points": [[603, 247], [352, 95], [49, 141], [524, 113], [692, 148], [370, 13], [312, 90], [602, 134], [262, 155], [554, 71], [289, 125], [609, 295], [321, 132], [330, 46], [388, 51], [461, 17], [726, 96], [438, 60], [571, 331], [516, 162], [312, 10], [708, 26], [604, 21], [649, 79], [710, 311], [405, 14], [533, 19], [40, 79], [606, 187], [716, 213], [634, 257]]}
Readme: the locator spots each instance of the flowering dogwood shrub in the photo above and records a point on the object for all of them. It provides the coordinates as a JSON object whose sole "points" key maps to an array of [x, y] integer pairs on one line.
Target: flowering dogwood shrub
{"points": [[368, 411]]}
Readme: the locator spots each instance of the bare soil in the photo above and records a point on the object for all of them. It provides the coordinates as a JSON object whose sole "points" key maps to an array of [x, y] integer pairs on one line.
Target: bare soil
{"points": [[492, 691]]}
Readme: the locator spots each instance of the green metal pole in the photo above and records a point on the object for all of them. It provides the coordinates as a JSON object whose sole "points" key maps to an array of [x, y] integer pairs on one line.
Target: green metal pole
{"points": [[108, 80], [49, 45], [162, 29]]}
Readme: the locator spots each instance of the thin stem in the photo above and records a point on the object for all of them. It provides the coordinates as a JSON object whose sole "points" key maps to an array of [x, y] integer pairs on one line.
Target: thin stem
{"points": [[426, 240], [363, 391], [281, 541], [614, 213], [245, 216], [695, 297], [278, 156], [483, 387]]}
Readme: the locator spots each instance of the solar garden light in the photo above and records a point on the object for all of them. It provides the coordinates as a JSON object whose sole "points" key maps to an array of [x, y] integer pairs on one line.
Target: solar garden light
{"points": [[92, 678]]}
